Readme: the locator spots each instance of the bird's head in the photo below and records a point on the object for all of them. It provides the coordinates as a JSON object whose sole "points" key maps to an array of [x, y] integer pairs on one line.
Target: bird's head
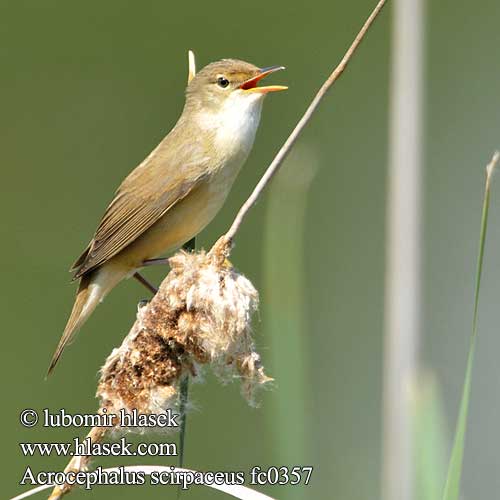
{"points": [[229, 82]]}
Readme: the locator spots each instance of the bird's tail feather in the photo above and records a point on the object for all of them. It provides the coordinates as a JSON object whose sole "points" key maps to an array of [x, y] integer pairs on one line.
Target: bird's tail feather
{"points": [[93, 287], [87, 298]]}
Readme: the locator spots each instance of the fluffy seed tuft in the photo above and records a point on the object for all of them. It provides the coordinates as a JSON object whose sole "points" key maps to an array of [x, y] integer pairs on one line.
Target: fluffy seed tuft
{"points": [[201, 316]]}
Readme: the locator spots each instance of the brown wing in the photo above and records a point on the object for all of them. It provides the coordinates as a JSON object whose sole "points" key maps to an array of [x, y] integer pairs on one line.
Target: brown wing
{"points": [[142, 199]]}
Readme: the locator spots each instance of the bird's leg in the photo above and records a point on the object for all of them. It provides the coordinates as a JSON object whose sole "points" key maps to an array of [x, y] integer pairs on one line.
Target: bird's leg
{"points": [[155, 262], [141, 279], [188, 247]]}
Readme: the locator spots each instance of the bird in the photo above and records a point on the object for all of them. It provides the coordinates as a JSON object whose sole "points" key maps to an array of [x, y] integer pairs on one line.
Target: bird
{"points": [[177, 189]]}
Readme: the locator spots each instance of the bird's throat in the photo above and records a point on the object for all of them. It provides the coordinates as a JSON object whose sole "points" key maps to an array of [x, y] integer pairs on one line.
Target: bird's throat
{"points": [[233, 127]]}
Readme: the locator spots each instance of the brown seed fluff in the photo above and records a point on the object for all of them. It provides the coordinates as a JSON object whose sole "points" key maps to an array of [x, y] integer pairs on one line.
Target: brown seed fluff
{"points": [[201, 316]]}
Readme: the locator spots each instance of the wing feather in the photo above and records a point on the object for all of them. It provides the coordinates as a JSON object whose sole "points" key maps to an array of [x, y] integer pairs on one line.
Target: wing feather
{"points": [[142, 199]]}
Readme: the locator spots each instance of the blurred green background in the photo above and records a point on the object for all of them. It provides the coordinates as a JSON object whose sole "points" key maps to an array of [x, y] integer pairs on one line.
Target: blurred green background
{"points": [[88, 89]]}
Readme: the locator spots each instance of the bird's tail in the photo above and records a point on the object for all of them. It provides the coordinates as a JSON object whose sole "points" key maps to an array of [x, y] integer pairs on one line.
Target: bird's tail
{"points": [[92, 290]]}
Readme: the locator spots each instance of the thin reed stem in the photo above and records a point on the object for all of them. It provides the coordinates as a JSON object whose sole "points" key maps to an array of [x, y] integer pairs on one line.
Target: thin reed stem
{"points": [[306, 117]]}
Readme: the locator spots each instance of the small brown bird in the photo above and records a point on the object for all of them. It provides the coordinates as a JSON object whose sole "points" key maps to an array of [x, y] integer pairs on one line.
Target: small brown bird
{"points": [[178, 189]]}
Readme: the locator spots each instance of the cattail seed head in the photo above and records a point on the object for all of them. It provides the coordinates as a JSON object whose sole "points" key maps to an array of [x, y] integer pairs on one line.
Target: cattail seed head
{"points": [[201, 316]]}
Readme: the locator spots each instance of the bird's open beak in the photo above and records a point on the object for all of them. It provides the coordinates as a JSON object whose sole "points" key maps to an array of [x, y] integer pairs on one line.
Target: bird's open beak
{"points": [[251, 84]]}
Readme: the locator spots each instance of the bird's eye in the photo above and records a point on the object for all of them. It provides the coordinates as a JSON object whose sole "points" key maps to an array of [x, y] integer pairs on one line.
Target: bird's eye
{"points": [[222, 82]]}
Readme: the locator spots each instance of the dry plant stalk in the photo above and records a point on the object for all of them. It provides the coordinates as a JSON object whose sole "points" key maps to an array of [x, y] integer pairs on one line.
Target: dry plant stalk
{"points": [[201, 316]]}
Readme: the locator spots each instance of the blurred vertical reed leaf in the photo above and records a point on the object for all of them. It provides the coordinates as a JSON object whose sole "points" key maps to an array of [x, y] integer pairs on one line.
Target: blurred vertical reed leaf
{"points": [[284, 298], [403, 276], [430, 438], [452, 486]]}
